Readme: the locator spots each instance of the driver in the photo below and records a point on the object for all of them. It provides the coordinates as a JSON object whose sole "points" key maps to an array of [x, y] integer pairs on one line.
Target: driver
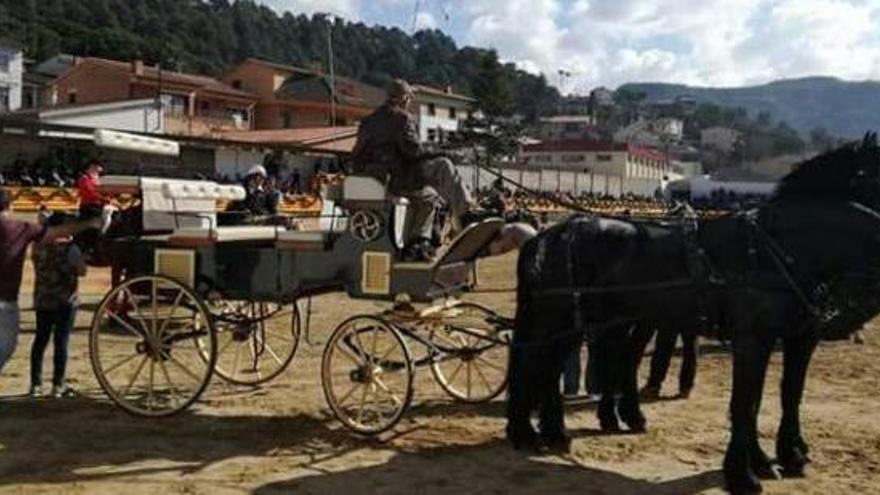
{"points": [[388, 149]]}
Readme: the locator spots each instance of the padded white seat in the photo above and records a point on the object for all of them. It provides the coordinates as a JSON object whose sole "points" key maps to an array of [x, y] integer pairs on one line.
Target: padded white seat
{"points": [[202, 190], [204, 236], [363, 188]]}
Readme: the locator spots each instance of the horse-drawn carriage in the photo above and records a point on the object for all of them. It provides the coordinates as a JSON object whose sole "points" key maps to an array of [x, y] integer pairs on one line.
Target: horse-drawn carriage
{"points": [[199, 300]]}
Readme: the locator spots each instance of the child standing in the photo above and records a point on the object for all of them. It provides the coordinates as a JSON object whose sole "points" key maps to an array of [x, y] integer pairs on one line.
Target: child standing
{"points": [[58, 266]]}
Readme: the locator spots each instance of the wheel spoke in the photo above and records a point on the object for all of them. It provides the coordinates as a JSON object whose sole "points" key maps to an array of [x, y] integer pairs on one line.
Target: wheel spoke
{"points": [[394, 398], [455, 372], [183, 368], [154, 292], [119, 364], [174, 392], [490, 364], [354, 358], [137, 307], [483, 378], [125, 325], [362, 347], [134, 377], [226, 346], [272, 353], [468, 378], [348, 394], [173, 311], [360, 414], [152, 375]]}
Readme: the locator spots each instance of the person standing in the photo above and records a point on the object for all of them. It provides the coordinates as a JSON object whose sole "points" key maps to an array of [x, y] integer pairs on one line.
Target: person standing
{"points": [[15, 237], [91, 201], [58, 266]]}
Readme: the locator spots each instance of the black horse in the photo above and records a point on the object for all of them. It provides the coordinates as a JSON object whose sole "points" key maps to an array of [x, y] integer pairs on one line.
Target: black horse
{"points": [[801, 268]]}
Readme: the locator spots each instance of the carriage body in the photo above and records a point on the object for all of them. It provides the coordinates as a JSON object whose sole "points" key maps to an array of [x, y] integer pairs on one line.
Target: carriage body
{"points": [[189, 280]]}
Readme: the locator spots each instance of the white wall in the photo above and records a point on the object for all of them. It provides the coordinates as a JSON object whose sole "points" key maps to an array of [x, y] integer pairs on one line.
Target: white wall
{"points": [[132, 116], [11, 75]]}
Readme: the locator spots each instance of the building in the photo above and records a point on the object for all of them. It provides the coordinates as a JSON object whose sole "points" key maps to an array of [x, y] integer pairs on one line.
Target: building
{"points": [[653, 133], [38, 76], [440, 112], [721, 138], [11, 73], [292, 97], [141, 115], [192, 105], [597, 157], [566, 127]]}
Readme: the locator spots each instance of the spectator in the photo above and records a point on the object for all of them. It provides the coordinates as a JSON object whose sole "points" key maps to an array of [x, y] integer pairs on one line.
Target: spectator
{"points": [[58, 266], [15, 237]]}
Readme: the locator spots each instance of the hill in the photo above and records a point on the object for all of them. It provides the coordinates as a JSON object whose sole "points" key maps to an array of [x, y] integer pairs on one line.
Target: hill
{"points": [[209, 36], [846, 109]]}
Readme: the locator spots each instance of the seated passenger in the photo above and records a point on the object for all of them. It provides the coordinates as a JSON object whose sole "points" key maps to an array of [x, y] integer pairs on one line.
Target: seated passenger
{"points": [[388, 149]]}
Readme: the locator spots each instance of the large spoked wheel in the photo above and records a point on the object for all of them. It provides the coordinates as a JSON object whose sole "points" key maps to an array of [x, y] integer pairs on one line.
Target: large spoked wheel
{"points": [[256, 341], [472, 366], [367, 374], [149, 357]]}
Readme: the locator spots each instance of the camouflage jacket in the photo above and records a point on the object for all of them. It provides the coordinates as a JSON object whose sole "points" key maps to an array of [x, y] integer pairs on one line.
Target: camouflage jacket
{"points": [[57, 277], [388, 149]]}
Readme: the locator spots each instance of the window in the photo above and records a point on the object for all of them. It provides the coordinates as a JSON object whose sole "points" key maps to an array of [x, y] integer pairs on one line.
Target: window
{"points": [[71, 97], [175, 104], [4, 99], [286, 120], [432, 135], [4, 62], [452, 113], [204, 107], [236, 84], [432, 109], [603, 157], [572, 158]]}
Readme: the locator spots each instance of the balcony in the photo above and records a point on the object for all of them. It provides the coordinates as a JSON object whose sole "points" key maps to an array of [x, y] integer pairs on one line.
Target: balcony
{"points": [[203, 125]]}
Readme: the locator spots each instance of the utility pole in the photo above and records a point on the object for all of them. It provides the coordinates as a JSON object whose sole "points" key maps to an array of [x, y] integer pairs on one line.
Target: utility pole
{"points": [[332, 71]]}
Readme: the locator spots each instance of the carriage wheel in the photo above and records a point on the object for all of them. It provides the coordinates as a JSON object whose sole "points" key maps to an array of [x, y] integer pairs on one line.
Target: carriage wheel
{"points": [[367, 374], [150, 360], [472, 368], [253, 341]]}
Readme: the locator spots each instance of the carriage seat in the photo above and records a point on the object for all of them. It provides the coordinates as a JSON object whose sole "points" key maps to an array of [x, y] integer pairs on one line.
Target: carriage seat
{"points": [[205, 236]]}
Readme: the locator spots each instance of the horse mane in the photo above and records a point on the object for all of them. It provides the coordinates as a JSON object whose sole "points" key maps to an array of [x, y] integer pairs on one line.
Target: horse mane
{"points": [[840, 173]]}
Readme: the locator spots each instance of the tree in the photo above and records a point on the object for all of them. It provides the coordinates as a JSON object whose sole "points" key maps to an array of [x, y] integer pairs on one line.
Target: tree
{"points": [[491, 87]]}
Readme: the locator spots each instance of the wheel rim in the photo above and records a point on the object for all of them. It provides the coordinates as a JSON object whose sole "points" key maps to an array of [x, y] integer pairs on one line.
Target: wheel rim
{"points": [[146, 357], [473, 368], [251, 347], [367, 375]]}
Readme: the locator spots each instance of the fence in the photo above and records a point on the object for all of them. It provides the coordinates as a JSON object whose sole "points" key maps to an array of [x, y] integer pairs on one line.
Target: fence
{"points": [[551, 180]]}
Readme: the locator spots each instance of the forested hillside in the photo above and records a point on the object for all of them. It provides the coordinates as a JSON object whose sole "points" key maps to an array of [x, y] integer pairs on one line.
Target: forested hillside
{"points": [[209, 36]]}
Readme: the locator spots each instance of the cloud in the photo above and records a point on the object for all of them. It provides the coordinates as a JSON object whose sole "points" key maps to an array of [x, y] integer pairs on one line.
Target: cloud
{"points": [[350, 9], [610, 42]]}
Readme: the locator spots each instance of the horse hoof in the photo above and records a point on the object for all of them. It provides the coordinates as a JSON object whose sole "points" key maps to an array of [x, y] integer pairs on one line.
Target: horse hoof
{"points": [[609, 425], [638, 427], [557, 444], [649, 393], [768, 471], [525, 441], [745, 486]]}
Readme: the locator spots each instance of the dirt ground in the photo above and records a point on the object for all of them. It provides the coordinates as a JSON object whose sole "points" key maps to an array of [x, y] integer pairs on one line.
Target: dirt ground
{"points": [[281, 438]]}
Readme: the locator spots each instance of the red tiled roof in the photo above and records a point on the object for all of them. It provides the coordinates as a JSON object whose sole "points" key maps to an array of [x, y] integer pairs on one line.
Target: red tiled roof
{"points": [[312, 137], [649, 153], [151, 73], [573, 145], [421, 88]]}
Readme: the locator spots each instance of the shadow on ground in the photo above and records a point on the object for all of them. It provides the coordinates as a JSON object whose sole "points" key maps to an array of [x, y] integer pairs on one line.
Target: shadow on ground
{"points": [[491, 468]]}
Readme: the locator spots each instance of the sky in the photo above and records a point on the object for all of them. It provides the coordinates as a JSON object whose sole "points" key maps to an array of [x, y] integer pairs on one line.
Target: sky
{"points": [[611, 42]]}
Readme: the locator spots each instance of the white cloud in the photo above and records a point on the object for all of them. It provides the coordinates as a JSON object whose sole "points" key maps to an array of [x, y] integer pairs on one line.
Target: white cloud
{"points": [[350, 9], [610, 42]]}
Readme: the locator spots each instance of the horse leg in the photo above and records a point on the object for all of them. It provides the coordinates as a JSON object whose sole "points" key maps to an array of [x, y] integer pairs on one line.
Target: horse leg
{"points": [[520, 402], [552, 415], [628, 406], [607, 409], [664, 348], [750, 357], [791, 449], [690, 348]]}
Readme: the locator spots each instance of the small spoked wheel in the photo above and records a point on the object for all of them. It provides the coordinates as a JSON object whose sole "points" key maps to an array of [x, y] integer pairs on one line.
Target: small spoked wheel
{"points": [[256, 341], [147, 345], [367, 374], [472, 364]]}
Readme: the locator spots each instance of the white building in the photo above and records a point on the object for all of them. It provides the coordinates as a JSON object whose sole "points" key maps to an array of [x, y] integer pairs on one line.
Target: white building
{"points": [[11, 73], [565, 127], [611, 159], [440, 112], [129, 115], [721, 138]]}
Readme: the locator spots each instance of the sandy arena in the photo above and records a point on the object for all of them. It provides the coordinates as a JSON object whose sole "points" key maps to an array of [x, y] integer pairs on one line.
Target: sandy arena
{"points": [[281, 438]]}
